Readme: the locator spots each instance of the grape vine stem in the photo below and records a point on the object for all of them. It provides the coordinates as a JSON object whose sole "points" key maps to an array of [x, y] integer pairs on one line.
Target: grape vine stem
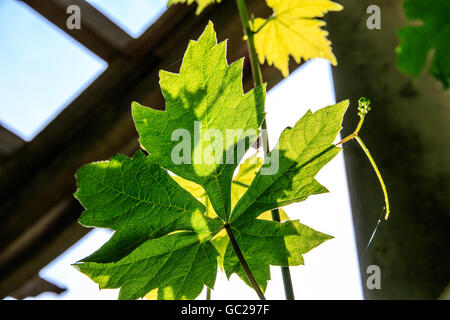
{"points": [[243, 262], [257, 79]]}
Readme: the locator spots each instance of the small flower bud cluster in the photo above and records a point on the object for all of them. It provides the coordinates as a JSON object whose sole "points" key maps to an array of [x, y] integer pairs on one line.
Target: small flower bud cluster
{"points": [[364, 106]]}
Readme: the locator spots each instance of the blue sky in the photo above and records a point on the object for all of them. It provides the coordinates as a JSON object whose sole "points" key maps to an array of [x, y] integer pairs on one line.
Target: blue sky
{"points": [[133, 16], [42, 70]]}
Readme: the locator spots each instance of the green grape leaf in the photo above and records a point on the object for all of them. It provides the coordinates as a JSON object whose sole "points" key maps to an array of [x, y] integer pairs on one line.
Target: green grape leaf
{"points": [[246, 174], [177, 264], [204, 101], [265, 243], [125, 195], [142, 204], [416, 41], [169, 231], [199, 193], [201, 4], [301, 152], [293, 31]]}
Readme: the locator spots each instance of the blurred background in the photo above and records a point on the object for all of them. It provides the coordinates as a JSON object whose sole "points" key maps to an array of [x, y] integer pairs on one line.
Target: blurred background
{"points": [[65, 100]]}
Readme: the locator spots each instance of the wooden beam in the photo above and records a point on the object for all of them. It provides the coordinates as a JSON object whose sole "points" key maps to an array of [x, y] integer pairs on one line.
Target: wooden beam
{"points": [[9, 144], [39, 245], [99, 34], [35, 286]]}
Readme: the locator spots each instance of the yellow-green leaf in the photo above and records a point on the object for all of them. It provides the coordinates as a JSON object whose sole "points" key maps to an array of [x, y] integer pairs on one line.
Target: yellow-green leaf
{"points": [[265, 243], [293, 31], [152, 295], [164, 245], [205, 99], [199, 193], [433, 33], [302, 151], [247, 172], [268, 215]]}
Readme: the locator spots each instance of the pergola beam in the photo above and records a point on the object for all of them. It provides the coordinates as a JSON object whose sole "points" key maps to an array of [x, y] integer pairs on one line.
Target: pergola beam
{"points": [[9, 144]]}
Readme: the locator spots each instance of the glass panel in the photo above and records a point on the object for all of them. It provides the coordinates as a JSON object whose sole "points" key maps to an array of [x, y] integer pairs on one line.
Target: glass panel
{"points": [[41, 69], [132, 16]]}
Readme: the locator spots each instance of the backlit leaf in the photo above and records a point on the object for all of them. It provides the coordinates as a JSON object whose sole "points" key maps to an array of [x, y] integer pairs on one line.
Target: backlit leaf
{"points": [[302, 152], [147, 210], [292, 30], [205, 98], [169, 234], [264, 243], [246, 174]]}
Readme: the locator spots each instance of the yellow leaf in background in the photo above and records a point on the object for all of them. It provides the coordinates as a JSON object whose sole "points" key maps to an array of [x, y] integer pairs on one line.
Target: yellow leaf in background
{"points": [[268, 215], [293, 31], [198, 192], [201, 4], [247, 172], [243, 179], [152, 295], [195, 189], [303, 8]]}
